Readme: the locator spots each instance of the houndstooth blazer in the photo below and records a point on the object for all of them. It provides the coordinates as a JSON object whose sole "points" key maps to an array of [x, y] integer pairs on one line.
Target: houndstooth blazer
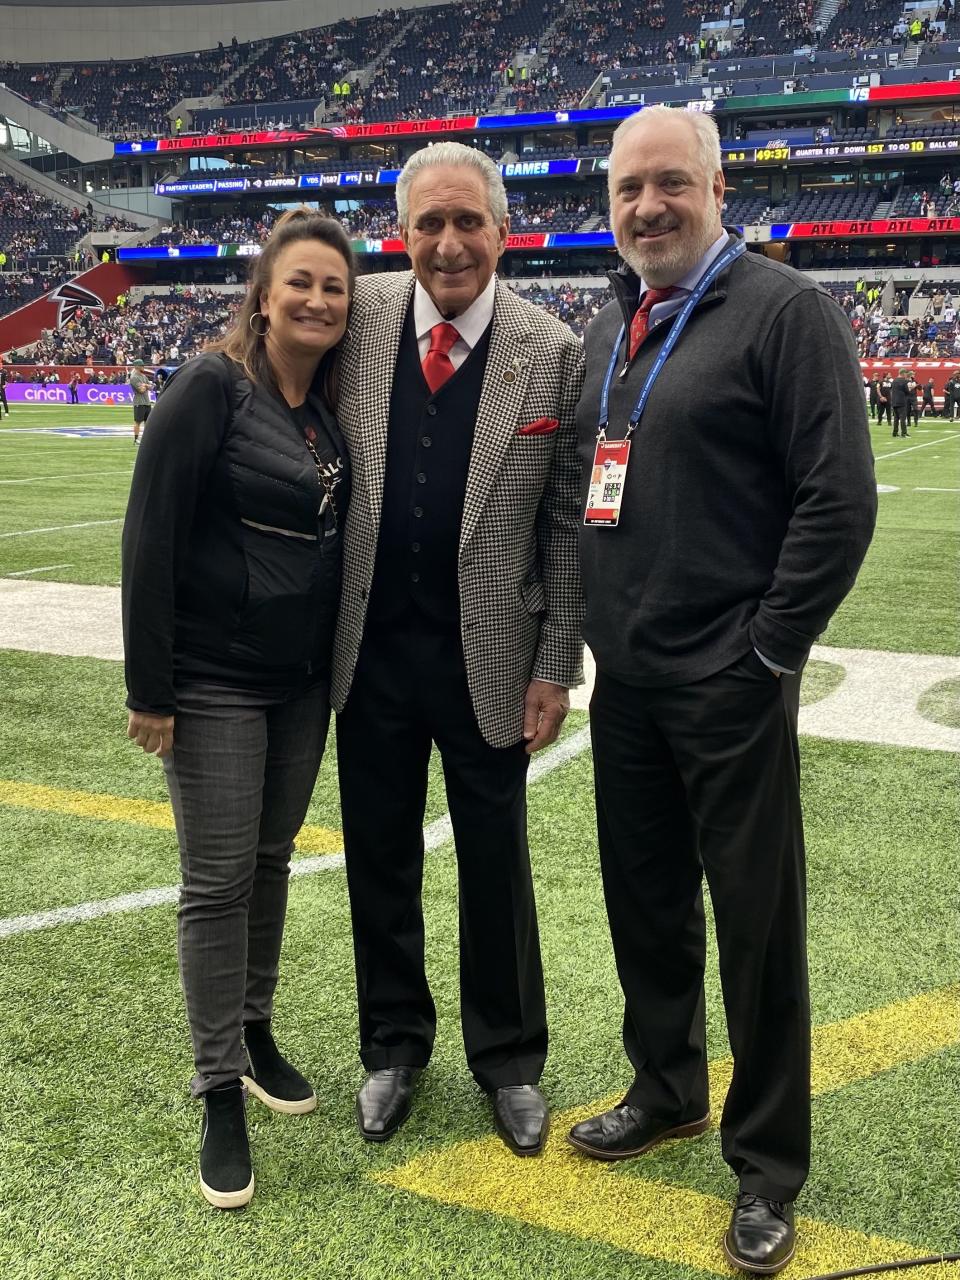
{"points": [[520, 599]]}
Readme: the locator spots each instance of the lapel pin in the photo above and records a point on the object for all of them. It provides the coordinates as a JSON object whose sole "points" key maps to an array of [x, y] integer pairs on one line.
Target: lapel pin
{"points": [[513, 369]]}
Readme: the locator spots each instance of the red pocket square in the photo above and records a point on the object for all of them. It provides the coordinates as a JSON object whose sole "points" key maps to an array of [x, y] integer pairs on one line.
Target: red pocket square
{"points": [[542, 427]]}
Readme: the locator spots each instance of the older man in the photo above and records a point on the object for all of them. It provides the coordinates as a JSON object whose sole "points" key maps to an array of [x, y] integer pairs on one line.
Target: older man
{"points": [[726, 513], [460, 626]]}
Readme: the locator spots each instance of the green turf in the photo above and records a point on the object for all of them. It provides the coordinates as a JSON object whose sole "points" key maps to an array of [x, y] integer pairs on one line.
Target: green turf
{"points": [[906, 600], [908, 594], [820, 679], [941, 703], [95, 1056], [97, 1136], [51, 483], [48, 859]]}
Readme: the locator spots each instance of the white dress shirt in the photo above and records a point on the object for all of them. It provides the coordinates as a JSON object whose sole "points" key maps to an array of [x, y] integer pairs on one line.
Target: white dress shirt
{"points": [[471, 325], [686, 284]]}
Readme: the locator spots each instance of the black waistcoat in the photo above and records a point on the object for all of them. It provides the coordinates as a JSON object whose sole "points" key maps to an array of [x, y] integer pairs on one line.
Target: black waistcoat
{"points": [[429, 439]]}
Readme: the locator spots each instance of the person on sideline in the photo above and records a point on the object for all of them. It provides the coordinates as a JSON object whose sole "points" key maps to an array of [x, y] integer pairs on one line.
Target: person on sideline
{"points": [[460, 626], [231, 581], [900, 403], [725, 518], [140, 386]]}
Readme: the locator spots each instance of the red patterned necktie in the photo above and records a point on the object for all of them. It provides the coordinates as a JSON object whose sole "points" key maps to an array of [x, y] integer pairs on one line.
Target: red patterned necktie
{"points": [[437, 365], [641, 318]]}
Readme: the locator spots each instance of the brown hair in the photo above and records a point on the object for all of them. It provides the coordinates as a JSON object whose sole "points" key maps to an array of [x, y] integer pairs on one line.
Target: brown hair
{"points": [[241, 342]]}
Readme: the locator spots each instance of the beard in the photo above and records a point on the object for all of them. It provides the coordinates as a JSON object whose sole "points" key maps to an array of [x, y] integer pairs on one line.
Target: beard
{"points": [[663, 262]]}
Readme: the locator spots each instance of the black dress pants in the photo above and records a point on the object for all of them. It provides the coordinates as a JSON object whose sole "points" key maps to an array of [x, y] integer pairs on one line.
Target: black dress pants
{"points": [[410, 690], [705, 778]]}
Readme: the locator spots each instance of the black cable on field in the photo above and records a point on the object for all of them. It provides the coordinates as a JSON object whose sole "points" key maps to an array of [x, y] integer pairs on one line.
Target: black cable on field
{"points": [[934, 1260]]}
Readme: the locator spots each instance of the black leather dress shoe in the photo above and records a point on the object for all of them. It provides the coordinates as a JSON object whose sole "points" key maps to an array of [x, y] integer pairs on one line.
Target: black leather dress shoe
{"points": [[629, 1131], [384, 1101], [522, 1118], [761, 1236]]}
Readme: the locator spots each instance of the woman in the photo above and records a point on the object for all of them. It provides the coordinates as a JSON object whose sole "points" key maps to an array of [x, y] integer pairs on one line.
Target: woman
{"points": [[231, 580]]}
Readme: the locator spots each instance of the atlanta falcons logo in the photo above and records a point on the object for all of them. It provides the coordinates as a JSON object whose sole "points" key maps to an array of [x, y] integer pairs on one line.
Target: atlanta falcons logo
{"points": [[71, 297]]}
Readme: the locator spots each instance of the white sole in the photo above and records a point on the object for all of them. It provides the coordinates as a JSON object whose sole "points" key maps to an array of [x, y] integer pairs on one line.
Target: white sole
{"points": [[285, 1107], [227, 1199]]}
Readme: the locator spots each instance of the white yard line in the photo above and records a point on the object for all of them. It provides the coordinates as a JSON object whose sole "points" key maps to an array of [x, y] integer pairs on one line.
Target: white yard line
{"points": [[923, 490], [930, 444], [44, 568], [76, 475], [435, 836], [57, 528]]}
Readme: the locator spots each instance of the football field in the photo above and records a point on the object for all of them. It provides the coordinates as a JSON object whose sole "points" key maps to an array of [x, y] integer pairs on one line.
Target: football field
{"points": [[98, 1136]]}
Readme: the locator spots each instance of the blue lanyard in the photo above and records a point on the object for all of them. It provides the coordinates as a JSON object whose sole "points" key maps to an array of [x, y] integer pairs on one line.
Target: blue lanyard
{"points": [[729, 255]]}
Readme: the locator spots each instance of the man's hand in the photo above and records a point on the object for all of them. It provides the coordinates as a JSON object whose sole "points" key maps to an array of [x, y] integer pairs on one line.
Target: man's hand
{"points": [[545, 708], [153, 733]]}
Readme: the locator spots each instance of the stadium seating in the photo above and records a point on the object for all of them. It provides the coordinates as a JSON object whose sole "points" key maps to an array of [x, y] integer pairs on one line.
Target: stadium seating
{"points": [[920, 202], [33, 81], [460, 59], [158, 329], [34, 228], [306, 64], [452, 59], [17, 288], [129, 98]]}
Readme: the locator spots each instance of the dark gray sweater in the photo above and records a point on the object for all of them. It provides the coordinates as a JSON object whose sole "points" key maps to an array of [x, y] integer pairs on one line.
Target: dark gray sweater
{"points": [[750, 496]]}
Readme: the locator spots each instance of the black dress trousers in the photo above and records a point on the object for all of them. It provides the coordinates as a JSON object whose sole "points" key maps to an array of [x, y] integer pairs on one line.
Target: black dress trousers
{"points": [[410, 690], [704, 778]]}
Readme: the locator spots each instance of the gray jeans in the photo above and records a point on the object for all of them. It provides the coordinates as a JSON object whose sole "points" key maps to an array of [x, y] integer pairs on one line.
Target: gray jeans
{"points": [[241, 775]]}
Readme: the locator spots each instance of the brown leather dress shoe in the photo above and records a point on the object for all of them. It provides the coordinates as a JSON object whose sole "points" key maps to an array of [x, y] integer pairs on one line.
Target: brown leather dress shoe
{"points": [[629, 1131], [761, 1237]]}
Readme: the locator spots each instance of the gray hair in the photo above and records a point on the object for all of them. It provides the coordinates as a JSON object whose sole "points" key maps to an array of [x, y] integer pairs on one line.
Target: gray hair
{"points": [[457, 155], [703, 126]]}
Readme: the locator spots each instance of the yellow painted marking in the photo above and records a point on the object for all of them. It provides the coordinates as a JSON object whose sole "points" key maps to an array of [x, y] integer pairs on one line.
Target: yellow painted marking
{"points": [[144, 813], [569, 1194], [87, 804]]}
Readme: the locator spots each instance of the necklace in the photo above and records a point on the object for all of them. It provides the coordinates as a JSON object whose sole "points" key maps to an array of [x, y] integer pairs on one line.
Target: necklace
{"points": [[325, 481]]}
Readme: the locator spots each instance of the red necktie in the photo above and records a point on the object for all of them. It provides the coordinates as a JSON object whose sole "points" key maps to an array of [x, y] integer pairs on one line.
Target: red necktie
{"points": [[437, 365], [641, 318]]}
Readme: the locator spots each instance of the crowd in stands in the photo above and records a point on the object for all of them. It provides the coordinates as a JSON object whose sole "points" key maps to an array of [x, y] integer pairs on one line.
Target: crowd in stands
{"points": [[17, 288], [127, 99], [173, 327], [308, 64], [34, 228], [458, 58], [452, 60], [228, 229], [563, 213], [575, 307], [377, 220], [158, 330], [590, 38], [942, 201], [31, 81], [169, 328], [932, 334], [373, 220]]}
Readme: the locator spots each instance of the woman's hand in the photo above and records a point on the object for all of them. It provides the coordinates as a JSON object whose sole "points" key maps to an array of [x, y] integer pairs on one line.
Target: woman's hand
{"points": [[153, 733]]}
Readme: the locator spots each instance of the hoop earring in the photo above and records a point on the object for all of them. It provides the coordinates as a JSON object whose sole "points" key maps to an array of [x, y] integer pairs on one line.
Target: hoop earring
{"points": [[261, 333]]}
